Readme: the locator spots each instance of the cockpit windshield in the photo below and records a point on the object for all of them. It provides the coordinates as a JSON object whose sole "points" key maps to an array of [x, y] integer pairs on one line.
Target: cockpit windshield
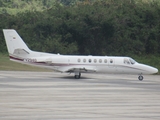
{"points": [[129, 61], [126, 61], [132, 61]]}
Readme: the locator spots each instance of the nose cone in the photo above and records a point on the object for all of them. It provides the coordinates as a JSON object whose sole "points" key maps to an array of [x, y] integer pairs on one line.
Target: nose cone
{"points": [[148, 69], [154, 70], [151, 70]]}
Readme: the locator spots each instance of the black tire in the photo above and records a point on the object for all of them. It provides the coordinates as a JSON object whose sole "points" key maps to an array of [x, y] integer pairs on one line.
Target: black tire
{"points": [[77, 76], [140, 77]]}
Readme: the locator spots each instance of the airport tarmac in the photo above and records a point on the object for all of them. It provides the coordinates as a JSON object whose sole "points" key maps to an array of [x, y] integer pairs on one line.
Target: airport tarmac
{"points": [[57, 96]]}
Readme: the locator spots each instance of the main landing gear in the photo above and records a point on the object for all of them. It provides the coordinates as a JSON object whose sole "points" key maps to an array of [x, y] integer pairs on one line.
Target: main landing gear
{"points": [[77, 75], [140, 77]]}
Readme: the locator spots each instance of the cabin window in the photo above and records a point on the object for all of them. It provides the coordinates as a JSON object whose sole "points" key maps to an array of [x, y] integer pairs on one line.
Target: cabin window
{"points": [[84, 60], [105, 60], [100, 60], [89, 60], [95, 60], [111, 61], [79, 60]]}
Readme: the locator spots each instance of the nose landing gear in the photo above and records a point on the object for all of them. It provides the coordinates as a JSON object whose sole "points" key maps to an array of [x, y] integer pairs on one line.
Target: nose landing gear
{"points": [[140, 77]]}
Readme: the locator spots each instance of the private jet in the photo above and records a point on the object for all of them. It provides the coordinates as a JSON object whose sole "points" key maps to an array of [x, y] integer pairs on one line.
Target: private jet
{"points": [[19, 52]]}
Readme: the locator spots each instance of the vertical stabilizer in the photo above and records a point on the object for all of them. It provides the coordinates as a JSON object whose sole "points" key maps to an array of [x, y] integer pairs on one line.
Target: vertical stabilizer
{"points": [[15, 44]]}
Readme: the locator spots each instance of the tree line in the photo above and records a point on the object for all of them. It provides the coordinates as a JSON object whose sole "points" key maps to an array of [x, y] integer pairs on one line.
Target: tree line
{"points": [[103, 27]]}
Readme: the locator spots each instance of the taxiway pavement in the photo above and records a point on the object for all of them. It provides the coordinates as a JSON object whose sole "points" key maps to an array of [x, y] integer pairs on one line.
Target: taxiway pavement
{"points": [[56, 96]]}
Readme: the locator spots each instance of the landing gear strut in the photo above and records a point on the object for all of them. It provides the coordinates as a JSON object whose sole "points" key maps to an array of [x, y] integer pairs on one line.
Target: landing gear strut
{"points": [[77, 75], [140, 77]]}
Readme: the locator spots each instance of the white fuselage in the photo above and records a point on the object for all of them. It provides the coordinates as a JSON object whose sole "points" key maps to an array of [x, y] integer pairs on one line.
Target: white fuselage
{"points": [[103, 64], [100, 64]]}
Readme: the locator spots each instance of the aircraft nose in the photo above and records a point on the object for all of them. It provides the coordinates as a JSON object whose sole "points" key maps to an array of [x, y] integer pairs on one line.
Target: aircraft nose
{"points": [[153, 70], [149, 69]]}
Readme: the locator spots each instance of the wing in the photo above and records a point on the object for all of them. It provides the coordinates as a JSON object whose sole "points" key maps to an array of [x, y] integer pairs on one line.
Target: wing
{"points": [[78, 68]]}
